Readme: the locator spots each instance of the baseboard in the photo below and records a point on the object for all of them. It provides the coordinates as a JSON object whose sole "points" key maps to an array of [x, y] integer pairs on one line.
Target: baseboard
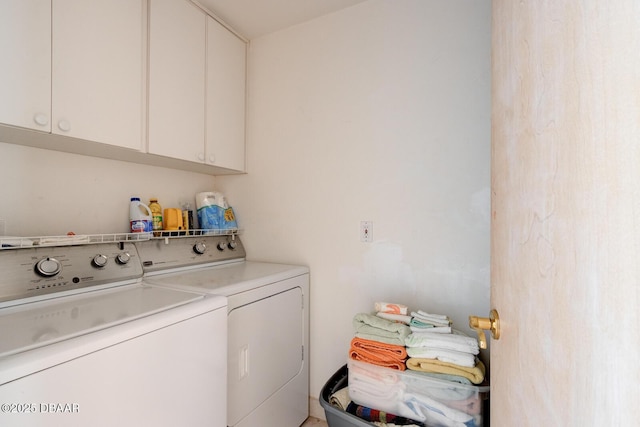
{"points": [[315, 410]]}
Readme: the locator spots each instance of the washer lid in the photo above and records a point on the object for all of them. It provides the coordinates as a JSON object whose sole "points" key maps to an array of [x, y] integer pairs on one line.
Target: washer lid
{"points": [[41, 323]]}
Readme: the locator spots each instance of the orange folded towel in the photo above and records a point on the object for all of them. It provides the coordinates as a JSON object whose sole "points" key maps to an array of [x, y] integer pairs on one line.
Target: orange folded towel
{"points": [[378, 353]]}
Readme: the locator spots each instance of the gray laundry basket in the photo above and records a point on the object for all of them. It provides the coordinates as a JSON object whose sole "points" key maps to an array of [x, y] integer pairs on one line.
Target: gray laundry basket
{"points": [[335, 416]]}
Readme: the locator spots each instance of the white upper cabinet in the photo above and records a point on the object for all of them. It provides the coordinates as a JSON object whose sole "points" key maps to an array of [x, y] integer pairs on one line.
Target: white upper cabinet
{"points": [[25, 74], [98, 70], [159, 78], [74, 68], [225, 124], [177, 35]]}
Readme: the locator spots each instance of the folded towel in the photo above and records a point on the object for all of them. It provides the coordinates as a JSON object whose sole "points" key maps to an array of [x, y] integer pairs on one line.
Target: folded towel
{"points": [[9, 242], [431, 329], [475, 374], [373, 375], [375, 391], [64, 240], [340, 398], [432, 412], [472, 405], [378, 353], [369, 326], [421, 313], [455, 341], [421, 318], [373, 337], [447, 377], [442, 392], [386, 307], [395, 317], [467, 360]]}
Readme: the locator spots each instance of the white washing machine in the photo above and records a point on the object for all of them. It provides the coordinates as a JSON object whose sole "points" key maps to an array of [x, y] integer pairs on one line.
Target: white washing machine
{"points": [[268, 323], [83, 342]]}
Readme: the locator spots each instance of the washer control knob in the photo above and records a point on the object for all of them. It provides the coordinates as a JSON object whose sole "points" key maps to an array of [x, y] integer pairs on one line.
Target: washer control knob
{"points": [[232, 245], [199, 248], [48, 267], [99, 261], [123, 258], [222, 246]]}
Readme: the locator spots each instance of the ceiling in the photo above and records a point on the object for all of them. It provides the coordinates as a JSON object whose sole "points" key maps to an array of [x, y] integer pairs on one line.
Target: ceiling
{"points": [[254, 18]]}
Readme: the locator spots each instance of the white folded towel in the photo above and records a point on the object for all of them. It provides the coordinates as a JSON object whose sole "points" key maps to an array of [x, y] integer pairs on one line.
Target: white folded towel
{"points": [[433, 330], [434, 319], [421, 313], [395, 317], [7, 241], [459, 358], [419, 407], [455, 341]]}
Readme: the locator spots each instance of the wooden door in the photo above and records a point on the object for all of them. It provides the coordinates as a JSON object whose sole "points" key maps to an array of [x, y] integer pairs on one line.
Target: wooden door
{"points": [[565, 239]]}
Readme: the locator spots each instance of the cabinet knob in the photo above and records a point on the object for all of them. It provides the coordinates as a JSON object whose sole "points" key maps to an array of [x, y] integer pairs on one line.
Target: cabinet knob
{"points": [[64, 125], [201, 157], [41, 119], [212, 159]]}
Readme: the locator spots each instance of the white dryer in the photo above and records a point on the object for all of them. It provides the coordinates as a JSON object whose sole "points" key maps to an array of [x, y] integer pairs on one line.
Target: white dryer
{"points": [[268, 323]]}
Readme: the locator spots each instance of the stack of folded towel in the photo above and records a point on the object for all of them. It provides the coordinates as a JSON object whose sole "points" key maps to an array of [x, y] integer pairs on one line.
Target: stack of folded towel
{"points": [[418, 341], [451, 356], [379, 341], [422, 321]]}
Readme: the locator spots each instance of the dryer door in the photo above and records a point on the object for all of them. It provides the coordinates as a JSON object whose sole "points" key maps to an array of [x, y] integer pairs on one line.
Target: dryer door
{"points": [[266, 341]]}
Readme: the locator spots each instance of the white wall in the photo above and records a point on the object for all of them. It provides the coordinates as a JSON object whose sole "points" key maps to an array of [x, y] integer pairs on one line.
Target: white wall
{"points": [[47, 192], [379, 112]]}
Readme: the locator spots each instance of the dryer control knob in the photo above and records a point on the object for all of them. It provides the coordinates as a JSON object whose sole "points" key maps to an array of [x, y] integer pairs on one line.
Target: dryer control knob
{"points": [[48, 267], [199, 248], [99, 260], [222, 246], [232, 245], [123, 258]]}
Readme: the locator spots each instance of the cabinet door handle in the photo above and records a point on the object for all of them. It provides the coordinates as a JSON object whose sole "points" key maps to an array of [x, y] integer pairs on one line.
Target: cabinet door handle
{"points": [[201, 157], [41, 119], [212, 159], [64, 125]]}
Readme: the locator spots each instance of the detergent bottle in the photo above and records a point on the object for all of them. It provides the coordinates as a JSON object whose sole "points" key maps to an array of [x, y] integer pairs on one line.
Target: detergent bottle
{"points": [[140, 217], [156, 215]]}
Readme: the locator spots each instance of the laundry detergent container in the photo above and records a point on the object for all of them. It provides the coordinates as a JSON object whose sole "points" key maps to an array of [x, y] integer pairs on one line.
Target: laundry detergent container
{"points": [[430, 401]]}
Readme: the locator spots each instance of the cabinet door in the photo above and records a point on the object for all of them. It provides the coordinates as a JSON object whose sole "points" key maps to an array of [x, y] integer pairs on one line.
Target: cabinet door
{"points": [[176, 79], [25, 74], [226, 80], [97, 70]]}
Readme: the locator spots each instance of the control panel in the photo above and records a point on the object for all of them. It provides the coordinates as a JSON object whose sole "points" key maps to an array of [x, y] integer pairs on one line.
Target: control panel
{"points": [[36, 271], [169, 253]]}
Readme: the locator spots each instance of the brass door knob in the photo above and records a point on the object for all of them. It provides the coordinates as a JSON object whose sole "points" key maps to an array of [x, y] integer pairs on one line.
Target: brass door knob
{"points": [[481, 324]]}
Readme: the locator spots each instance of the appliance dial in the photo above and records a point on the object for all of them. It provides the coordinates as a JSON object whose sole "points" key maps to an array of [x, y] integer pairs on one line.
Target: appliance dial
{"points": [[222, 246], [232, 245], [100, 260], [123, 258], [199, 248], [48, 267]]}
